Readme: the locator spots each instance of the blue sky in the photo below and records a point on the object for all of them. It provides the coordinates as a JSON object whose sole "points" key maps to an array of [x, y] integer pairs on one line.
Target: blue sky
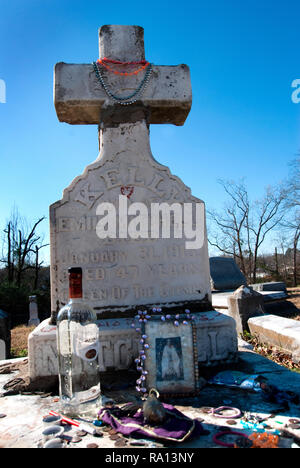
{"points": [[243, 57]]}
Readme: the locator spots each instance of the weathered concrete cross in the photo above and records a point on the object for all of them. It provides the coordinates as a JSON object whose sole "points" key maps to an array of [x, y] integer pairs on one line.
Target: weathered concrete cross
{"points": [[80, 99]]}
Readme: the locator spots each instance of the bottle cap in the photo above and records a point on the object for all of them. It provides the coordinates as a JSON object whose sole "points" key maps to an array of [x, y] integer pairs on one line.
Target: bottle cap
{"points": [[75, 270]]}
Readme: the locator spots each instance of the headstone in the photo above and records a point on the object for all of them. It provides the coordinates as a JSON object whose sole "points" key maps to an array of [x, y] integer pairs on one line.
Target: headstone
{"points": [[243, 304], [33, 312], [124, 273], [5, 335], [2, 350], [225, 274]]}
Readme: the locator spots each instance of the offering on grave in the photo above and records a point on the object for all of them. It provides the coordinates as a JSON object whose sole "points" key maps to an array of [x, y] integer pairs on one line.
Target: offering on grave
{"points": [[78, 352]]}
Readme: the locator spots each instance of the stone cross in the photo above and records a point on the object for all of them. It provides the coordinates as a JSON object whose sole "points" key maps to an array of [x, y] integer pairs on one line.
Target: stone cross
{"points": [[80, 99], [121, 273]]}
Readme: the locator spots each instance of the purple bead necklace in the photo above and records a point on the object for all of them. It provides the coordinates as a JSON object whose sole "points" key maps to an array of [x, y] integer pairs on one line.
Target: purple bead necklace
{"points": [[142, 317]]}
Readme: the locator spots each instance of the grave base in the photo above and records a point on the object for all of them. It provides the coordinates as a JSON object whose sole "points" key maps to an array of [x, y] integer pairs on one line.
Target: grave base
{"points": [[216, 343]]}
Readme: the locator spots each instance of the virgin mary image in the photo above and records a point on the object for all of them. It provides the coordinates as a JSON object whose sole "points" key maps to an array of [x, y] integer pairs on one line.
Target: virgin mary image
{"points": [[170, 362]]}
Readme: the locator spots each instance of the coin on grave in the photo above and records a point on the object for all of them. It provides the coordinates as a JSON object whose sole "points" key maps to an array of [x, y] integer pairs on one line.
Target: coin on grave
{"points": [[231, 422], [120, 443], [206, 409], [81, 433], [294, 426], [294, 421]]}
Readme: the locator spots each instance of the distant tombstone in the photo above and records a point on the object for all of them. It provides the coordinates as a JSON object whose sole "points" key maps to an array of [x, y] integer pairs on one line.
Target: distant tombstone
{"points": [[225, 274], [4, 335], [33, 312], [243, 304], [270, 286], [2, 350]]}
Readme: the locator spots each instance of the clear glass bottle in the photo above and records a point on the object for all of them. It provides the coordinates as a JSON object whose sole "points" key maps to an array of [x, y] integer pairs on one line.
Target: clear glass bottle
{"points": [[78, 353]]}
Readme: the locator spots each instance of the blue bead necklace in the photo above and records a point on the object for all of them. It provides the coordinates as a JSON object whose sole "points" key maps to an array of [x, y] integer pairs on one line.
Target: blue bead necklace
{"points": [[123, 100]]}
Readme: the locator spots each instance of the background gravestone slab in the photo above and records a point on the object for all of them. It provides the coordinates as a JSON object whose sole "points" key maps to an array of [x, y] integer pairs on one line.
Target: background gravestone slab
{"points": [[5, 335], [270, 286], [225, 274]]}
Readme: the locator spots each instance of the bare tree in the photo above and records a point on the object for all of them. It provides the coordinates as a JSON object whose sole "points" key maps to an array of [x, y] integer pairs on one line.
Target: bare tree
{"points": [[229, 233], [268, 214], [292, 205], [293, 184], [38, 264], [21, 246], [242, 227]]}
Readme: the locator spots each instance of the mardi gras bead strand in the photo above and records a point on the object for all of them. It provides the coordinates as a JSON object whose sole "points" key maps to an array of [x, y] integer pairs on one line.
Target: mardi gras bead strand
{"points": [[124, 100], [118, 62], [116, 72]]}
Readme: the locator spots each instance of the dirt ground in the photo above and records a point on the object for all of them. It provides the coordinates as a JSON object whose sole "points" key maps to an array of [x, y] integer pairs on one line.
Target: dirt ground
{"points": [[19, 340], [294, 297]]}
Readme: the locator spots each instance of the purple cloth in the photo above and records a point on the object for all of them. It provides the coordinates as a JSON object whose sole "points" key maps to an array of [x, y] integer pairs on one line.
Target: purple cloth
{"points": [[177, 427]]}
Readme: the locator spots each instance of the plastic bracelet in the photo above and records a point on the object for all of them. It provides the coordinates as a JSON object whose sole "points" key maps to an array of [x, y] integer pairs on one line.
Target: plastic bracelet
{"points": [[237, 412], [227, 444]]}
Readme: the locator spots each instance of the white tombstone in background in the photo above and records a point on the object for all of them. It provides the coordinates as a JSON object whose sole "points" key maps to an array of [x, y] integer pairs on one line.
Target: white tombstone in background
{"points": [[33, 312], [2, 350]]}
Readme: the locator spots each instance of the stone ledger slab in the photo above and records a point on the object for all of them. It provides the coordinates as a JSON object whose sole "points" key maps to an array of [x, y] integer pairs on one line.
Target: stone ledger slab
{"points": [[270, 286], [119, 343], [278, 331]]}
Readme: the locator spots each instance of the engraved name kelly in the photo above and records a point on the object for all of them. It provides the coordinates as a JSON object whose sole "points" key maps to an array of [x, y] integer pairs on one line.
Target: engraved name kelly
{"points": [[127, 181]]}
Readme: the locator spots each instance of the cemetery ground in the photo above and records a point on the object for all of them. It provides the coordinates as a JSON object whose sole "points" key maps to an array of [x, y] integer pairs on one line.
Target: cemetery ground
{"points": [[22, 424]]}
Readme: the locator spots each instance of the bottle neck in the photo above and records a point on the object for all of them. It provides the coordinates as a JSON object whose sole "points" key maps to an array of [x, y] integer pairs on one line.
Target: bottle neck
{"points": [[75, 286], [75, 300]]}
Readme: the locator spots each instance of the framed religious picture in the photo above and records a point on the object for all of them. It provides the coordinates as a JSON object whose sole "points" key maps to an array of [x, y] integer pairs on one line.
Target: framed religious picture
{"points": [[171, 362]]}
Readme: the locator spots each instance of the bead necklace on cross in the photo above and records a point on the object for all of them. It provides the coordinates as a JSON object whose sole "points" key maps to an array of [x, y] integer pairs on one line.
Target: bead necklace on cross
{"points": [[133, 97]]}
